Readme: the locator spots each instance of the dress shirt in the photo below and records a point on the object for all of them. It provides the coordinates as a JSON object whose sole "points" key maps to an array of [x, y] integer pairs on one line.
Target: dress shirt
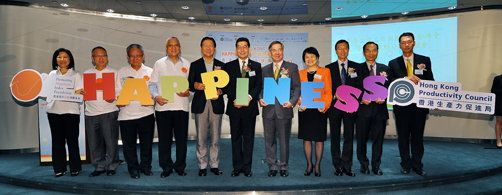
{"points": [[100, 106], [134, 110]]}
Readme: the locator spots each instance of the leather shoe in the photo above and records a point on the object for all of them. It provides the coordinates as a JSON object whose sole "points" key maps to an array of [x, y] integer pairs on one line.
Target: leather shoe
{"points": [[248, 174], [377, 171], [338, 172], [235, 172], [405, 171], [365, 170], [348, 172], [134, 174], [216, 171], [181, 172], [272, 173], [59, 174], [284, 173], [110, 172], [97, 173], [74, 173], [147, 172], [420, 172], [202, 172], [166, 173]]}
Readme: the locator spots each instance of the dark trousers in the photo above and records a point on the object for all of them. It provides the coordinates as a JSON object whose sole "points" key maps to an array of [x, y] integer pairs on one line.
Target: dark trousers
{"points": [[341, 159], [102, 137], [65, 130], [370, 127], [171, 123], [410, 125], [242, 129], [130, 130]]}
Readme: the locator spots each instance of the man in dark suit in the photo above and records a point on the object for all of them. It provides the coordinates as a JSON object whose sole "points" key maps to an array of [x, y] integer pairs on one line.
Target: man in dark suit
{"points": [[277, 117], [243, 117], [343, 72], [410, 120], [208, 113], [372, 115]]}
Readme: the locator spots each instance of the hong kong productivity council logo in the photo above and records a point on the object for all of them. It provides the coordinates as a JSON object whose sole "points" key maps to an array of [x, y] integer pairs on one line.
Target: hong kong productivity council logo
{"points": [[401, 92]]}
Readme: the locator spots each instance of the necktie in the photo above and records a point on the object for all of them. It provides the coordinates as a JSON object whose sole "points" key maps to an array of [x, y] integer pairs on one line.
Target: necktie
{"points": [[276, 71], [243, 71], [409, 67], [344, 73], [372, 70]]}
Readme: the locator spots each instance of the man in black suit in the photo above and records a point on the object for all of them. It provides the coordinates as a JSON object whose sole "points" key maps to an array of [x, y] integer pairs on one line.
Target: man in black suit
{"points": [[372, 115], [410, 120], [343, 72], [243, 117], [208, 113]]}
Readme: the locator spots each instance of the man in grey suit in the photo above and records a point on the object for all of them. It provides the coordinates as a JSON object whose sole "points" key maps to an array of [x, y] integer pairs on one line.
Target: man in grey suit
{"points": [[277, 117]]}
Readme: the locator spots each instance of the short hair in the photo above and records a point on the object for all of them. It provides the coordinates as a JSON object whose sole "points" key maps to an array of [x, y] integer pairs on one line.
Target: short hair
{"points": [[241, 39], [55, 56], [275, 42], [208, 38], [134, 46], [369, 43], [98, 47], [342, 41], [310, 50], [406, 34]]}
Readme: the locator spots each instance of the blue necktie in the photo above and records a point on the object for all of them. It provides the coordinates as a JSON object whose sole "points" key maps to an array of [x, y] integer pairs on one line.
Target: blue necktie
{"points": [[344, 73]]}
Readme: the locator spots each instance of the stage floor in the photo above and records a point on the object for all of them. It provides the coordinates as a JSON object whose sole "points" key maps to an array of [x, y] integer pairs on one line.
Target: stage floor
{"points": [[444, 162]]}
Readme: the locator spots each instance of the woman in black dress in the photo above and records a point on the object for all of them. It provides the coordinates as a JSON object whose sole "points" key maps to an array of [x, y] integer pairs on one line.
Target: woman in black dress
{"points": [[312, 122], [497, 90]]}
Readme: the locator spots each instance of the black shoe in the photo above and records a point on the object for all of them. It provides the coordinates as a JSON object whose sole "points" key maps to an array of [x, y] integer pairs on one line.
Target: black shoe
{"points": [[248, 174], [59, 174], [235, 172], [147, 172], [405, 171], [308, 171], [110, 172], [166, 173], [74, 173], [348, 172], [284, 173], [97, 173], [202, 172], [377, 171], [216, 171], [317, 171], [134, 174], [365, 170], [338, 172], [272, 173], [181, 172], [420, 172]]}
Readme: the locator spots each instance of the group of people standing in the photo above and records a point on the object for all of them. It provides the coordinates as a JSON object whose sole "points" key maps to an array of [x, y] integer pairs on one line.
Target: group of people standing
{"points": [[103, 118]]}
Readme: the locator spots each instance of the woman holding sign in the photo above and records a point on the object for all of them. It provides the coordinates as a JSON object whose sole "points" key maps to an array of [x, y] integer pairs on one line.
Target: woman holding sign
{"points": [[497, 90], [64, 116], [314, 101]]}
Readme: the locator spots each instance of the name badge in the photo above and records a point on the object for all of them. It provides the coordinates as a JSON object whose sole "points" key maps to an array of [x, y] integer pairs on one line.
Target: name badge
{"points": [[217, 67], [317, 76], [419, 72], [252, 73], [353, 75]]}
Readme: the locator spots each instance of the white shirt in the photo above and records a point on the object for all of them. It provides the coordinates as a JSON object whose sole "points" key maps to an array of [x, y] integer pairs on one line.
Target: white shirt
{"points": [[100, 106], [279, 64], [241, 63], [134, 110], [64, 107], [374, 67], [165, 67], [406, 58]]}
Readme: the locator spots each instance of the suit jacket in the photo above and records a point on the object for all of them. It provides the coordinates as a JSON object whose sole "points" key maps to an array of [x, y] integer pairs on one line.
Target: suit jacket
{"points": [[326, 95], [276, 109], [255, 86], [199, 98], [336, 79], [398, 70], [373, 109]]}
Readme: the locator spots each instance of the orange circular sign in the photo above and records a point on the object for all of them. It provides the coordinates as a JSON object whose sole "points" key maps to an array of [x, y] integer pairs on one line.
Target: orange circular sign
{"points": [[26, 85]]}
